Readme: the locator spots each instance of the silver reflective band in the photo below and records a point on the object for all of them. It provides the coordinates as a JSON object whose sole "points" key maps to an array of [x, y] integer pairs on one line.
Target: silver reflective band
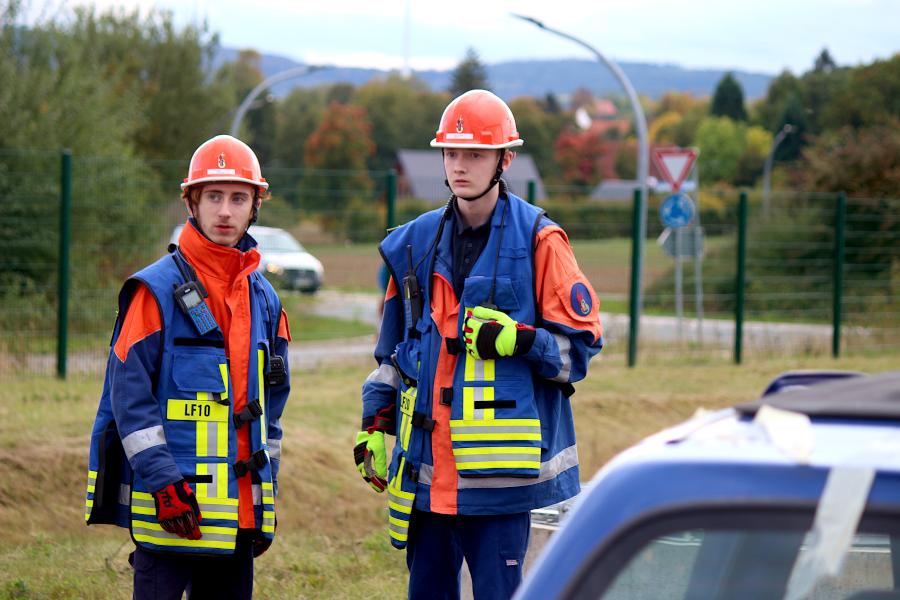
{"points": [[124, 494], [257, 493], [397, 499], [142, 439], [563, 461], [274, 449], [143, 503], [397, 528], [386, 374], [564, 346]]}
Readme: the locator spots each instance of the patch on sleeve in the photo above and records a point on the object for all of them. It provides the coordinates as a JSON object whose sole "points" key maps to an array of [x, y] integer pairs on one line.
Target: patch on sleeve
{"points": [[580, 297]]}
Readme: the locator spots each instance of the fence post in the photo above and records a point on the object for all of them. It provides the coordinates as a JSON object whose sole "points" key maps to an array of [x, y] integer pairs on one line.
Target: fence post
{"points": [[391, 194], [636, 262], [741, 279], [65, 227], [837, 298], [532, 191]]}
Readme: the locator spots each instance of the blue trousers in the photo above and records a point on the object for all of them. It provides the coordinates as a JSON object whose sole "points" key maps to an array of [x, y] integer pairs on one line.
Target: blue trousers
{"points": [[493, 545], [165, 576]]}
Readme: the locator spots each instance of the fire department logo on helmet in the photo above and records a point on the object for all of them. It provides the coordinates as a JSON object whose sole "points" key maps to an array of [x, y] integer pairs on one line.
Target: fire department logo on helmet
{"points": [[459, 124], [222, 161]]}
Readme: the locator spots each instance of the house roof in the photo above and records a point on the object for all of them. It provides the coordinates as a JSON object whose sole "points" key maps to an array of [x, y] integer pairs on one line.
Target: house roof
{"points": [[423, 172]]}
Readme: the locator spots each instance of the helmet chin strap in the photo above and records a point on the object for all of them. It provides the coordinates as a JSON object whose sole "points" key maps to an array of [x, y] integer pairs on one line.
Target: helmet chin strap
{"points": [[494, 180]]}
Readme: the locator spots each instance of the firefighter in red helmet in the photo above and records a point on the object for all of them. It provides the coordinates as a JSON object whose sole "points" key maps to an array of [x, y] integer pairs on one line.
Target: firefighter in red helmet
{"points": [[488, 322], [187, 440]]}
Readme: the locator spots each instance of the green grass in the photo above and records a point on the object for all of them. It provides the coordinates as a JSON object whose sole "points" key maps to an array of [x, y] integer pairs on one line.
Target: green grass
{"points": [[332, 540]]}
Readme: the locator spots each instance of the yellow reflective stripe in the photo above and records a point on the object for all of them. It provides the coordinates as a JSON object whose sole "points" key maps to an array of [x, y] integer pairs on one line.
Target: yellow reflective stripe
{"points": [[142, 496], [90, 488], [500, 464], [202, 469], [468, 403], [211, 529], [490, 437], [201, 543], [202, 439], [399, 507], [143, 510], [222, 501], [401, 537], [222, 481], [496, 423], [195, 410], [488, 395], [225, 516], [260, 358], [223, 369], [202, 395], [92, 474], [497, 450]]}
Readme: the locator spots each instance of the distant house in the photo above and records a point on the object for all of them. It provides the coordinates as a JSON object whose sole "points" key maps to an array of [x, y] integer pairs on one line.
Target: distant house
{"points": [[421, 175]]}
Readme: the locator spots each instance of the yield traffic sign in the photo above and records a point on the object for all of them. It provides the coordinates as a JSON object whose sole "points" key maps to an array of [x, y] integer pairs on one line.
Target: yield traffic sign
{"points": [[674, 164]]}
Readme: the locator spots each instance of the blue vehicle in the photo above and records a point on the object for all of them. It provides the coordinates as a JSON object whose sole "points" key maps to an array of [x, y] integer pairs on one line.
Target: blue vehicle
{"points": [[795, 495]]}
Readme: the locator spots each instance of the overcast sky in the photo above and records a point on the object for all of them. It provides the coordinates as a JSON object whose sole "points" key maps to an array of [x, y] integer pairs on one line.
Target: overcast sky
{"points": [[754, 35]]}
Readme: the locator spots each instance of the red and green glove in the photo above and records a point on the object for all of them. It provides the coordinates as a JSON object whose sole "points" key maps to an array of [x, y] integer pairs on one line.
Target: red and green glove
{"points": [[371, 458], [492, 334], [177, 510]]}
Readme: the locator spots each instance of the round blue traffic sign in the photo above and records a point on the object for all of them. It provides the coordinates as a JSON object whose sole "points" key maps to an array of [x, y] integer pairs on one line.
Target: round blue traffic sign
{"points": [[676, 211]]}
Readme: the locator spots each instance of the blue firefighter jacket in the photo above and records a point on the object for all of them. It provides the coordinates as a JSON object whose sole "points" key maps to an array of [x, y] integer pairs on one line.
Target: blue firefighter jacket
{"points": [[481, 437], [174, 418]]}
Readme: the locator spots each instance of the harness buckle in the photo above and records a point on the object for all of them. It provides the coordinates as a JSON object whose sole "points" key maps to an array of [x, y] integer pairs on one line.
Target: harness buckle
{"points": [[256, 462], [420, 420], [252, 411]]}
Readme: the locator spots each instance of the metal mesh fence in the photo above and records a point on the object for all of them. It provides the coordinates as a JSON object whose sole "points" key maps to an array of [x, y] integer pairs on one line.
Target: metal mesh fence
{"points": [[124, 210]]}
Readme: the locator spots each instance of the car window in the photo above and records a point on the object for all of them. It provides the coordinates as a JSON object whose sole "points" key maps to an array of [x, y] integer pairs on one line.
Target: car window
{"points": [[737, 563], [277, 241]]}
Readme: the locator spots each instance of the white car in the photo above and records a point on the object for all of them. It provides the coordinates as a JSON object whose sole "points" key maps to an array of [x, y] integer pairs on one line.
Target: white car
{"points": [[284, 260]]}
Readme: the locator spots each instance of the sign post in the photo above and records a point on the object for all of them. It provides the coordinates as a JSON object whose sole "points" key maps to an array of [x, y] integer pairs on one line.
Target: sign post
{"points": [[677, 212]]}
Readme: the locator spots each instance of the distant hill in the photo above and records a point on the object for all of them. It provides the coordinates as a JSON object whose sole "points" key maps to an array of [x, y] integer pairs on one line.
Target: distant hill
{"points": [[534, 77]]}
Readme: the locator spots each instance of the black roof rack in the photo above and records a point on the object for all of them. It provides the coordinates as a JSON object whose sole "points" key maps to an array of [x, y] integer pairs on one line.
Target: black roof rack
{"points": [[866, 397]]}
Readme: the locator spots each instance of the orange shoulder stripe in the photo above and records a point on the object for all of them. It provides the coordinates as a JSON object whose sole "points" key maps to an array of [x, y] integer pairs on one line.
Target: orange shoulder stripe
{"points": [[284, 329], [141, 319], [557, 274]]}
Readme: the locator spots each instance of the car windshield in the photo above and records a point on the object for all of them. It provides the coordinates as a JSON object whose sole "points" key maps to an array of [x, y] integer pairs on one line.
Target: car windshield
{"points": [[742, 563], [277, 241]]}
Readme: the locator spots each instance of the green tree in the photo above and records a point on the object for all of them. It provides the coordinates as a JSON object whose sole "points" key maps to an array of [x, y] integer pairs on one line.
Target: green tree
{"points": [[824, 63], [297, 116], [404, 113], [470, 74], [728, 99], [539, 129], [258, 125], [722, 143]]}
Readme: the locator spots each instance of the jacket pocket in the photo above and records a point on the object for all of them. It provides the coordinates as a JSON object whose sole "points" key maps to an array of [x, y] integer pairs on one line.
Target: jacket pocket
{"points": [[495, 428], [198, 412]]}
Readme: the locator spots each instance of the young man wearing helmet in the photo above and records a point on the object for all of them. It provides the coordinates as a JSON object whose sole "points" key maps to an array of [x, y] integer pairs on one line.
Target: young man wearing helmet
{"points": [[187, 441], [488, 323]]}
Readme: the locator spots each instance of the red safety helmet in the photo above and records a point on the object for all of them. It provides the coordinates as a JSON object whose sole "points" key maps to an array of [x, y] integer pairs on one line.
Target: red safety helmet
{"points": [[477, 119], [225, 158]]}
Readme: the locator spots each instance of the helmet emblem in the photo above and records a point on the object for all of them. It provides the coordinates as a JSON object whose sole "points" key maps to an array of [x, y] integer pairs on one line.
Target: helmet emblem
{"points": [[459, 124], [222, 161]]}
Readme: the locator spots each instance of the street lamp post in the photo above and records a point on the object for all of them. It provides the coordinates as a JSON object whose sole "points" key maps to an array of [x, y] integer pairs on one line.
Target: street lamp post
{"points": [[643, 157], [767, 170], [264, 85]]}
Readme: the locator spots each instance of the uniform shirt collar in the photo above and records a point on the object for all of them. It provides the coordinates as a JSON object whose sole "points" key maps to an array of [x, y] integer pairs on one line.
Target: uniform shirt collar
{"points": [[213, 260]]}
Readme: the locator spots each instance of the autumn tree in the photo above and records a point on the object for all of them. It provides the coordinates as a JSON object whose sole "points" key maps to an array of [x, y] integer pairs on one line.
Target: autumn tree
{"points": [[338, 150], [578, 155]]}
